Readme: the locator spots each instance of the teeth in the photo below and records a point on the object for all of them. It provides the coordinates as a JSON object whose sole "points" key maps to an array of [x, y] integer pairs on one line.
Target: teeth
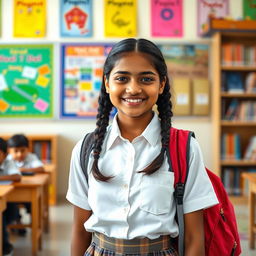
{"points": [[133, 100]]}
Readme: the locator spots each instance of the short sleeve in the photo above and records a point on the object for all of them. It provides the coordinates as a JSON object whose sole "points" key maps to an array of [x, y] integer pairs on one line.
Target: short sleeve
{"points": [[199, 193], [10, 168], [33, 161], [77, 193]]}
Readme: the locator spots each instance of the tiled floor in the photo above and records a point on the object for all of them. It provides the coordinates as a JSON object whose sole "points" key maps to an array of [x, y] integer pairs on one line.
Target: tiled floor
{"points": [[57, 242]]}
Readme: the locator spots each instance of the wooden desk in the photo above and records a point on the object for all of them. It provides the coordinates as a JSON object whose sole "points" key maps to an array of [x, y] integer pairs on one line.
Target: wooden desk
{"points": [[4, 190], [31, 189], [251, 177]]}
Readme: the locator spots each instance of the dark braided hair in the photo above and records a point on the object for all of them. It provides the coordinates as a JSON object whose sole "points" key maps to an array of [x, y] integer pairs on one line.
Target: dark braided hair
{"points": [[164, 105]]}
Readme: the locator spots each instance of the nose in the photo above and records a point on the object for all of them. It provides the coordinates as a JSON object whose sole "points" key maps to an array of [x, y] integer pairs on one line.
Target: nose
{"points": [[133, 87]]}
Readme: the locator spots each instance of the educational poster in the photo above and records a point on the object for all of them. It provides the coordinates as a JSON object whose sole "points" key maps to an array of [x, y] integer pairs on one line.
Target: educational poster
{"points": [[76, 18], [249, 9], [166, 18], [210, 8], [26, 81], [82, 69], [120, 18], [188, 72], [29, 18]]}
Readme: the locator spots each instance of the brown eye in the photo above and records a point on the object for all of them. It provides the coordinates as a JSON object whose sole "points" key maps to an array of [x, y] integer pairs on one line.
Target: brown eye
{"points": [[121, 79], [147, 79]]}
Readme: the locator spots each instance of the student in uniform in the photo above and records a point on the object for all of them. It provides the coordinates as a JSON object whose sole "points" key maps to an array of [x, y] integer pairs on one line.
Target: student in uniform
{"points": [[19, 153], [127, 206], [8, 172], [25, 161]]}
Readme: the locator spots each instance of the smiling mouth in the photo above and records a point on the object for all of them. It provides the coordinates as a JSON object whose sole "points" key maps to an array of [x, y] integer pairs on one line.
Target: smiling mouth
{"points": [[133, 100]]}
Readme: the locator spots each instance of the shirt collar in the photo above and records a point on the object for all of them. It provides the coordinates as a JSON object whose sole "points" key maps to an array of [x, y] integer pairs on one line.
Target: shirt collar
{"points": [[151, 133]]}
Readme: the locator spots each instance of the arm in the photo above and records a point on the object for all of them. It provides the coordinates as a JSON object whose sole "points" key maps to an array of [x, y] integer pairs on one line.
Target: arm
{"points": [[194, 234], [81, 239], [39, 169], [13, 177]]}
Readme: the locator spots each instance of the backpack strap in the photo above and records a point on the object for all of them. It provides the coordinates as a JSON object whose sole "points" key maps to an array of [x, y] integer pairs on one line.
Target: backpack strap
{"points": [[86, 149], [179, 148]]}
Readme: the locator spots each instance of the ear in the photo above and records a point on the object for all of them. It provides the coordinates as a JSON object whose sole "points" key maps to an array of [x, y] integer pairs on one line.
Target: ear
{"points": [[162, 85], [106, 84]]}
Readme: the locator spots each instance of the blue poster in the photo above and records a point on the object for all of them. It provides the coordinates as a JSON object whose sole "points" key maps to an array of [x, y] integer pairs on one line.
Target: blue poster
{"points": [[76, 18], [81, 78]]}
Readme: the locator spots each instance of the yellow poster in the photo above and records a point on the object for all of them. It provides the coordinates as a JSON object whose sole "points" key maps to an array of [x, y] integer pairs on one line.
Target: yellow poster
{"points": [[120, 18], [29, 18]]}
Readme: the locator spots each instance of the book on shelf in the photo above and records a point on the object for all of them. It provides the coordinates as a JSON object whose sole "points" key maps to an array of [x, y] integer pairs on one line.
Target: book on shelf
{"points": [[231, 110], [231, 179], [234, 82], [230, 146], [235, 54], [250, 151], [43, 150], [250, 82], [240, 111]]}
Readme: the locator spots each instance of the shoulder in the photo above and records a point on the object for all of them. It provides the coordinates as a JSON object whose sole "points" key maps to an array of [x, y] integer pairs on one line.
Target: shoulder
{"points": [[194, 146], [31, 156]]}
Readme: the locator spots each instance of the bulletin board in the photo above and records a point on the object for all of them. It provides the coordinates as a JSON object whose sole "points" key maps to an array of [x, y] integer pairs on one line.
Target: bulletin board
{"points": [[81, 78], [26, 81]]}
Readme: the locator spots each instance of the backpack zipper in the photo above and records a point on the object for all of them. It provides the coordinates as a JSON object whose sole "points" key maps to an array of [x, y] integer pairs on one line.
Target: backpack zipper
{"points": [[234, 249], [222, 214]]}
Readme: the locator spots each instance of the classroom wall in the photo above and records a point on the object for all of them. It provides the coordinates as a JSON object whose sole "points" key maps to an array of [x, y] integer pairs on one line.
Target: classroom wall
{"points": [[70, 131]]}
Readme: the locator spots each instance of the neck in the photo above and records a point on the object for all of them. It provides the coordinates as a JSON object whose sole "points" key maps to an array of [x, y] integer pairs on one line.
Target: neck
{"points": [[131, 128]]}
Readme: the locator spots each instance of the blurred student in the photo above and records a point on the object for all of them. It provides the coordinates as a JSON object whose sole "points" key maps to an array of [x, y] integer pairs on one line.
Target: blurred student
{"points": [[8, 172], [19, 152], [25, 161]]}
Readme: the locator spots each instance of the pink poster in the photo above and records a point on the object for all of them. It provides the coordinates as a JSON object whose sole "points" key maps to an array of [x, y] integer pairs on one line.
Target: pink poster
{"points": [[210, 8], [166, 18]]}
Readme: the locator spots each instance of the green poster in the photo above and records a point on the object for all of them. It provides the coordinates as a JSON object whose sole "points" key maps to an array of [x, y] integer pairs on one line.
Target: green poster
{"points": [[26, 81], [249, 9]]}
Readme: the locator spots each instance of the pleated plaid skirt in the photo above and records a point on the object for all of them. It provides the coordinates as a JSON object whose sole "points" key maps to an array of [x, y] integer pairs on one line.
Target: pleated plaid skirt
{"points": [[102, 245]]}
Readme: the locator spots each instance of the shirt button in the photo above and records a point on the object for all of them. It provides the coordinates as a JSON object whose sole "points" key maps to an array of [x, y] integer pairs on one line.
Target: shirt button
{"points": [[125, 186]]}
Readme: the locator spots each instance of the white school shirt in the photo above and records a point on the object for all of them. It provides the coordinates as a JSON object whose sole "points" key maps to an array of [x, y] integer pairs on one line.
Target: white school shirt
{"points": [[31, 161], [8, 168], [133, 204]]}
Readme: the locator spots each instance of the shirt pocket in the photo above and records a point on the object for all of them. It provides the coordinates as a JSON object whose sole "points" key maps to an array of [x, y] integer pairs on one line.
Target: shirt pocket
{"points": [[156, 192]]}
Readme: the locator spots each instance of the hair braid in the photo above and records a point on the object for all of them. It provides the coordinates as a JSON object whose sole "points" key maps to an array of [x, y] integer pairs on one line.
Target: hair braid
{"points": [[104, 109], [164, 107]]}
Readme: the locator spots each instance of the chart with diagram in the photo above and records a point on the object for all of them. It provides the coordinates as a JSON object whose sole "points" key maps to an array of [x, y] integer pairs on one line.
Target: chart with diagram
{"points": [[81, 75], [26, 81]]}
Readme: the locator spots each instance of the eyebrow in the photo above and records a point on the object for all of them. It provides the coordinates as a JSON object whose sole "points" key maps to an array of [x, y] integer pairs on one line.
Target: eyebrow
{"points": [[141, 73]]}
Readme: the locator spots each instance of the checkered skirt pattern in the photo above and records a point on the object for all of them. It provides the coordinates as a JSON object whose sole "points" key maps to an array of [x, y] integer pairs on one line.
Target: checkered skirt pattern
{"points": [[106, 246]]}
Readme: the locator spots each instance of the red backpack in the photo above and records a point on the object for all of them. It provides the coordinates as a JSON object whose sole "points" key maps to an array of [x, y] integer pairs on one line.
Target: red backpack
{"points": [[220, 228]]}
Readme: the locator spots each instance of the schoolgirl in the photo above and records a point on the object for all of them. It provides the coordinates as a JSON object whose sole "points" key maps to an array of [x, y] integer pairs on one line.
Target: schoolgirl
{"points": [[127, 206]]}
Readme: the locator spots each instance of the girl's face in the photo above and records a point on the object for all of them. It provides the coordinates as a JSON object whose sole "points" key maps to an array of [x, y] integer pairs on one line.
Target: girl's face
{"points": [[134, 86]]}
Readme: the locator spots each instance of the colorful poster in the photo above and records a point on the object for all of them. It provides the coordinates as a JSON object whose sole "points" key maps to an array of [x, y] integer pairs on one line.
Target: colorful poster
{"points": [[166, 18], [210, 8], [81, 75], [249, 9], [76, 18], [26, 81], [120, 18], [29, 18], [186, 60]]}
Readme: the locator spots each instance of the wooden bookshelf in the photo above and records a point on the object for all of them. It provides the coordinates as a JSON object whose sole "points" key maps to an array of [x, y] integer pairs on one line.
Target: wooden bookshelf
{"points": [[221, 100], [45, 147]]}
